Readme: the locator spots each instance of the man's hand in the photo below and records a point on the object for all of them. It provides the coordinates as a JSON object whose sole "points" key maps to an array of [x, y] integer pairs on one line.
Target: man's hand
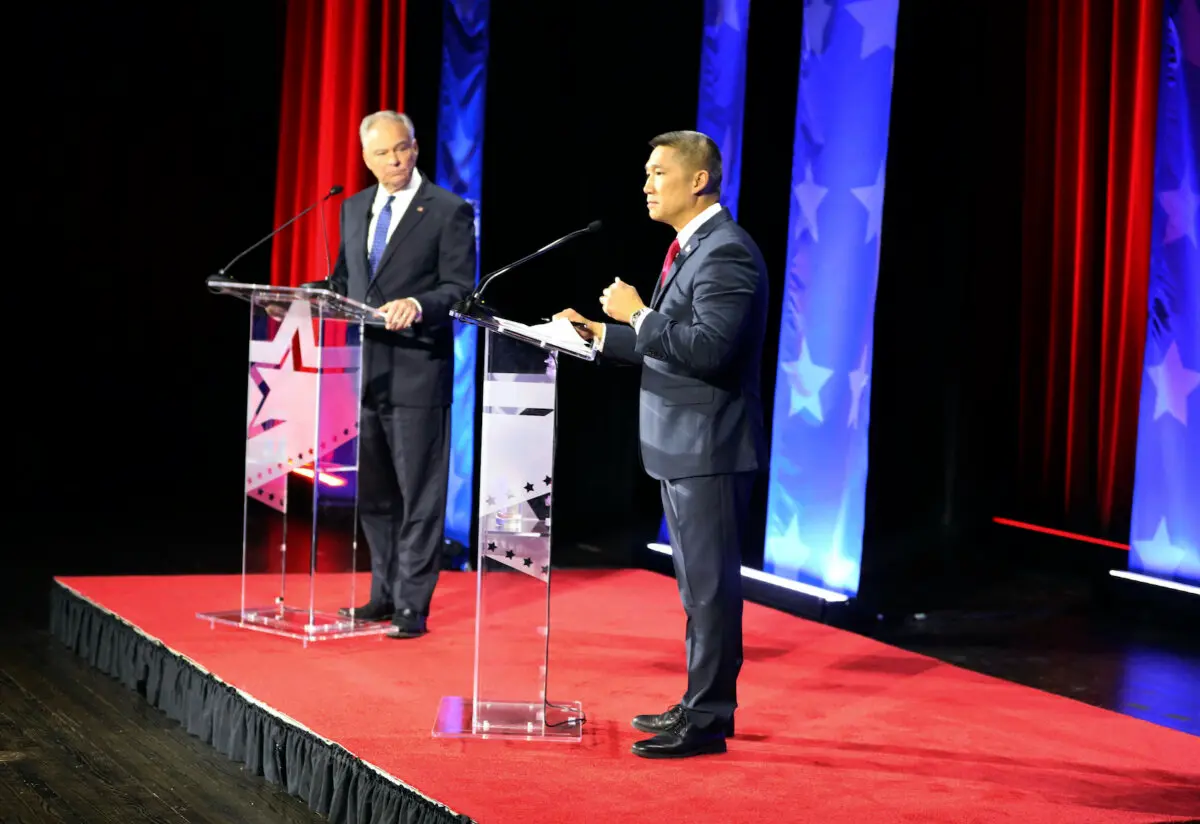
{"points": [[620, 301], [276, 310], [399, 314], [587, 329]]}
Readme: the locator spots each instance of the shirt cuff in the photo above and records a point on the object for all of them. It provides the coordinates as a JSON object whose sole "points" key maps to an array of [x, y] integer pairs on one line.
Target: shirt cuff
{"points": [[418, 305], [598, 342]]}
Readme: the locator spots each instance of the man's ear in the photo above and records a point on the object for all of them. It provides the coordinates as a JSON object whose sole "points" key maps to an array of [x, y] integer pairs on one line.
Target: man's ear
{"points": [[700, 182]]}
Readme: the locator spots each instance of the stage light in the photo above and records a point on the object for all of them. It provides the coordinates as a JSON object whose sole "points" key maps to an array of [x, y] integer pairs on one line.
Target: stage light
{"points": [[774, 580], [1058, 533], [324, 477], [1158, 582]]}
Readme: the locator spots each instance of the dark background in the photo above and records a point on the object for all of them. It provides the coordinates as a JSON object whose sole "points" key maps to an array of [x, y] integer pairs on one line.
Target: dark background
{"points": [[150, 160]]}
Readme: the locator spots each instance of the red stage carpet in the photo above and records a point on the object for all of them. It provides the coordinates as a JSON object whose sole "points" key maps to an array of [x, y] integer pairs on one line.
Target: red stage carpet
{"points": [[834, 727]]}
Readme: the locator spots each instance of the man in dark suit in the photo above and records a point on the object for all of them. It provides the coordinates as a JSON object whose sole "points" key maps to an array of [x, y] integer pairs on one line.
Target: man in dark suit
{"points": [[408, 247], [699, 343]]}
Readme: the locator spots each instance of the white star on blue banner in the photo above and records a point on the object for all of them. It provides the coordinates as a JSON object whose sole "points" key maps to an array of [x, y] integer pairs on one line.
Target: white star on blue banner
{"points": [[1165, 528], [818, 473], [460, 169]]}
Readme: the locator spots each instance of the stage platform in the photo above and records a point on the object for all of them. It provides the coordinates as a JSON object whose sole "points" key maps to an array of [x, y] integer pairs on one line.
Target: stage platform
{"points": [[833, 727]]}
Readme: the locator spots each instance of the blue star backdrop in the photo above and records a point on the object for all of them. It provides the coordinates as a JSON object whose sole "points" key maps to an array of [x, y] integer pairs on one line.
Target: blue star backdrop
{"points": [[460, 169], [723, 101], [818, 474], [1165, 528]]}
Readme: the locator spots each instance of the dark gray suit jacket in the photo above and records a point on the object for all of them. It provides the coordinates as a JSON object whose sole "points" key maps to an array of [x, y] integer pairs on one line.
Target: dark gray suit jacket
{"points": [[430, 257], [701, 354]]}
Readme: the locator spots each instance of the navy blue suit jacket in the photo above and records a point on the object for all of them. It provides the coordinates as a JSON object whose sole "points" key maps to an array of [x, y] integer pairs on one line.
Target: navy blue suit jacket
{"points": [[701, 410], [430, 257]]}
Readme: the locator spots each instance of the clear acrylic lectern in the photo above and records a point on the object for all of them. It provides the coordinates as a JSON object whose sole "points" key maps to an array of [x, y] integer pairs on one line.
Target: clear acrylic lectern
{"points": [[512, 609], [300, 554]]}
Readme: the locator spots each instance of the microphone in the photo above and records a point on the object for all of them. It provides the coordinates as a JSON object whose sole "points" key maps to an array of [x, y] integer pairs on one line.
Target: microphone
{"points": [[464, 306], [325, 231], [220, 275]]}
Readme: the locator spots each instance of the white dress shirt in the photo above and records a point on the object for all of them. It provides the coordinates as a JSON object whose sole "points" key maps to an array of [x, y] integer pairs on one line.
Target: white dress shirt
{"points": [[685, 234], [404, 198]]}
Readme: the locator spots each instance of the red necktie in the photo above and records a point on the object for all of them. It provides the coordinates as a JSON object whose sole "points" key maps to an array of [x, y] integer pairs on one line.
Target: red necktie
{"points": [[671, 254]]}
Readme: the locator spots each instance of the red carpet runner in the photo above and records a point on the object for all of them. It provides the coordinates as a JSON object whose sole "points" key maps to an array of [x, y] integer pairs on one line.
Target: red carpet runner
{"points": [[834, 727]]}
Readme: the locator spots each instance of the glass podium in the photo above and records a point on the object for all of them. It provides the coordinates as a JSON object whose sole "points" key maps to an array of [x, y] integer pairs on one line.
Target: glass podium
{"points": [[300, 552], [509, 697]]}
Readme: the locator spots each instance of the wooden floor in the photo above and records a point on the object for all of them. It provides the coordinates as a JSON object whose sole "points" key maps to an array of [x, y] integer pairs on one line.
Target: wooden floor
{"points": [[76, 746]]}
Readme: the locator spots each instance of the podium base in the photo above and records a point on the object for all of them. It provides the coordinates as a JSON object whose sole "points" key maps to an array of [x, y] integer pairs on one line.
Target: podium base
{"points": [[509, 721], [291, 622]]}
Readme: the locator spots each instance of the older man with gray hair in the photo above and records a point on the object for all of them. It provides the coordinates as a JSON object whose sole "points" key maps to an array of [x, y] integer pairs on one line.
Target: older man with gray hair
{"points": [[408, 247]]}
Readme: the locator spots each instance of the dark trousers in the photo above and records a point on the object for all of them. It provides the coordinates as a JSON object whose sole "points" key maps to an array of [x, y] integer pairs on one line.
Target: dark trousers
{"points": [[708, 518], [403, 459]]}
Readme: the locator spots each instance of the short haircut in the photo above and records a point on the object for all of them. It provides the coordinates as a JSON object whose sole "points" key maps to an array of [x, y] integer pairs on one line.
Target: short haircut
{"points": [[370, 120], [699, 152]]}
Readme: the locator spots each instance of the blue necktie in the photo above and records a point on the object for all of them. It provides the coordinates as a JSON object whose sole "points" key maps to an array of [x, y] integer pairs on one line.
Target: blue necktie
{"points": [[379, 242]]}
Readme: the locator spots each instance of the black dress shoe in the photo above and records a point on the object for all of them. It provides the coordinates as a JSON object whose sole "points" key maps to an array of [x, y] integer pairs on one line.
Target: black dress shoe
{"points": [[407, 624], [657, 723], [371, 611], [682, 740]]}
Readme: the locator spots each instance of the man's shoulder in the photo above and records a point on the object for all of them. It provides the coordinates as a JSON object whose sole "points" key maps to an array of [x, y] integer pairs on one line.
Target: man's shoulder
{"points": [[442, 196], [729, 234]]}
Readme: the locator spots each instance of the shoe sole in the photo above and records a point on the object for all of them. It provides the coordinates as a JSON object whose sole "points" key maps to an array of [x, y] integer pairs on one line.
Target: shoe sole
{"points": [[715, 748], [378, 620], [400, 634]]}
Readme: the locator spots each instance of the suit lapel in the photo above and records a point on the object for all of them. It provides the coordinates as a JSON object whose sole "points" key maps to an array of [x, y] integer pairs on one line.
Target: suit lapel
{"points": [[412, 216], [356, 237], [686, 253], [660, 289]]}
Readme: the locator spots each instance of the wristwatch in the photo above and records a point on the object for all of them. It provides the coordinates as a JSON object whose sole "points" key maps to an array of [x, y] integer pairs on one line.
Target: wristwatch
{"points": [[633, 319]]}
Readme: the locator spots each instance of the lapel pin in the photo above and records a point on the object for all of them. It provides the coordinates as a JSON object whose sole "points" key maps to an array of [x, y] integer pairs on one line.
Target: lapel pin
{"points": [[420, 208], [687, 248]]}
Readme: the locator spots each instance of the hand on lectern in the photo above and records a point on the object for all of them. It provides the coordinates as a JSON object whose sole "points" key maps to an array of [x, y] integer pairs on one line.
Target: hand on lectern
{"points": [[400, 314], [276, 310], [587, 329]]}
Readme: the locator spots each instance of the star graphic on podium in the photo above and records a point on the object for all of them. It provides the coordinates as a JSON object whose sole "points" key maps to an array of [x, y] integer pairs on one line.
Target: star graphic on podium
{"points": [[546, 480], [545, 568], [491, 546], [491, 501], [510, 554], [528, 562], [528, 487]]}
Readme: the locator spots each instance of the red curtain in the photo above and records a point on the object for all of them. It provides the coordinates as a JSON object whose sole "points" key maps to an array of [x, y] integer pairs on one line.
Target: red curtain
{"points": [[1091, 97], [342, 61]]}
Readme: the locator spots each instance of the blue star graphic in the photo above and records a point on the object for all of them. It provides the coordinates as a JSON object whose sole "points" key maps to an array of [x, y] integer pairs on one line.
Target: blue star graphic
{"points": [[727, 15], [1158, 554], [1181, 206], [1173, 384], [872, 198], [809, 195], [858, 382], [878, 21], [805, 382], [816, 21], [460, 147]]}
